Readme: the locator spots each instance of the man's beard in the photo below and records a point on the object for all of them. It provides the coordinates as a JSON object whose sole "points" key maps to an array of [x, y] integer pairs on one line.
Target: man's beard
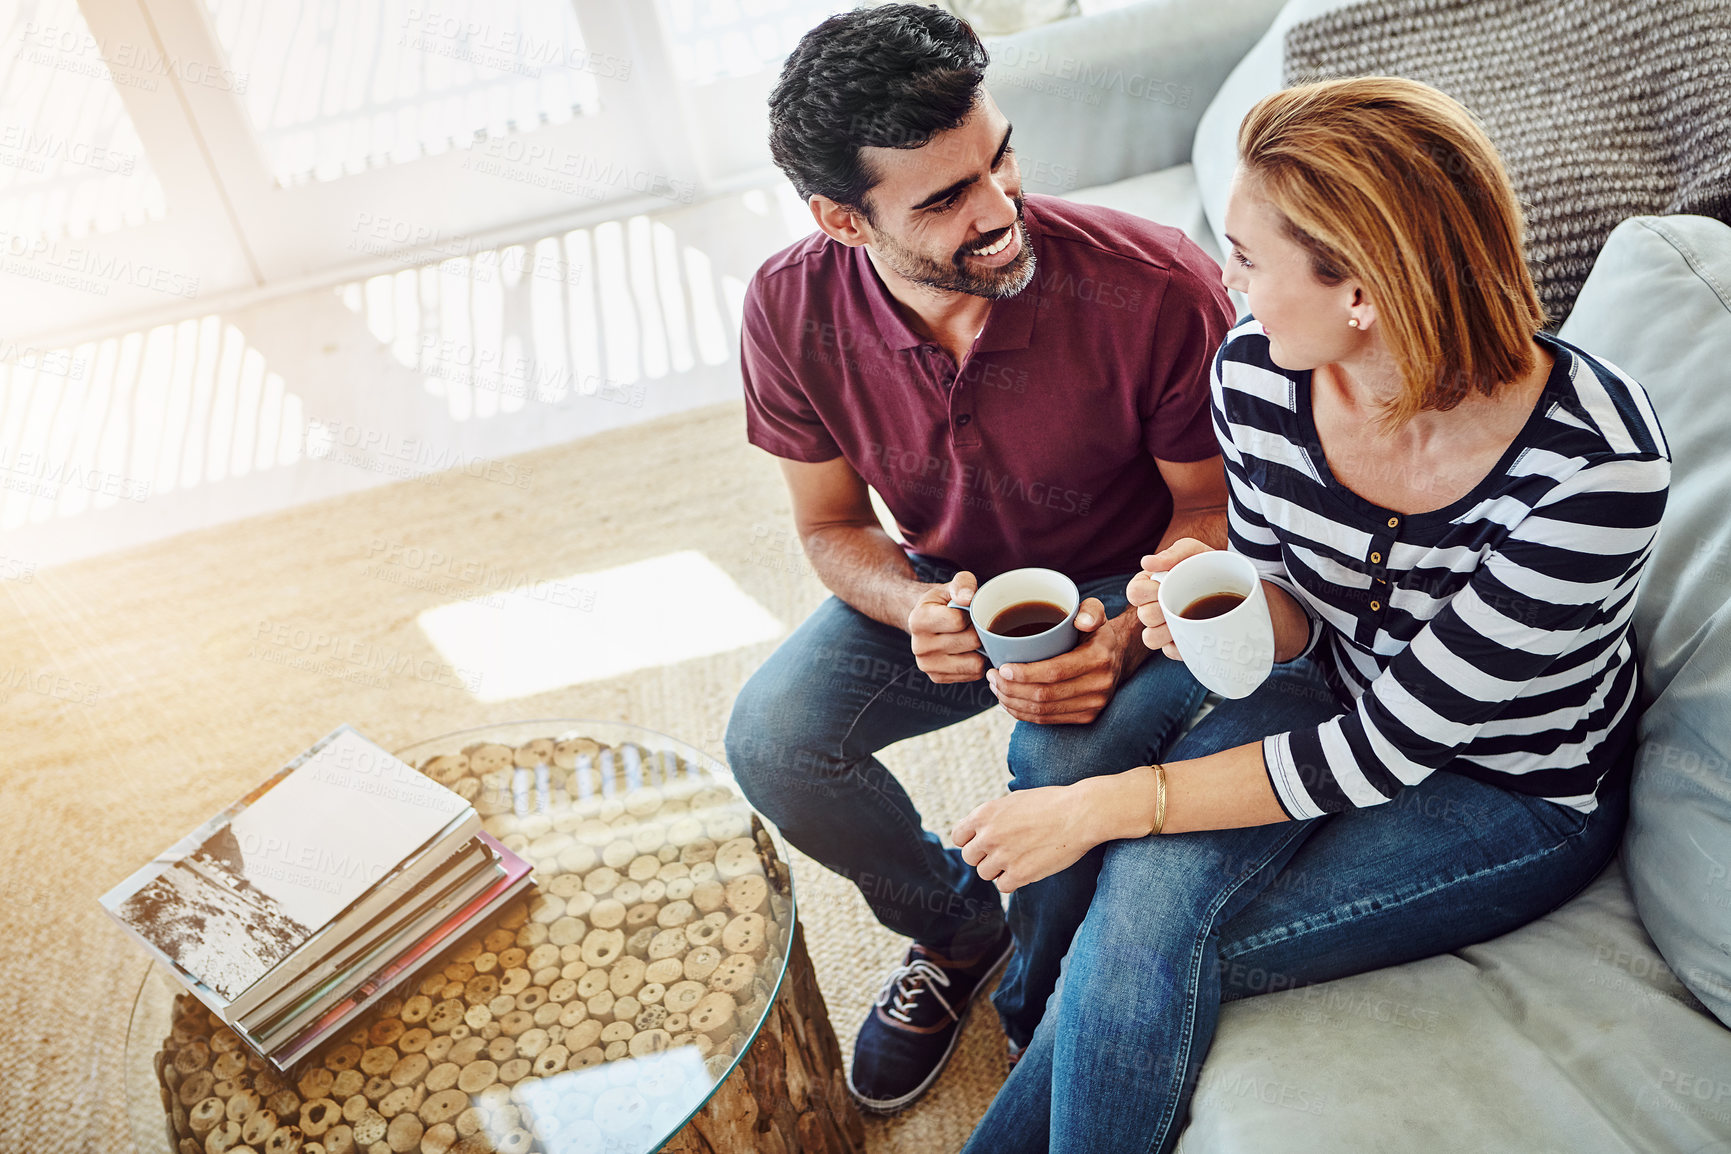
{"points": [[956, 276]]}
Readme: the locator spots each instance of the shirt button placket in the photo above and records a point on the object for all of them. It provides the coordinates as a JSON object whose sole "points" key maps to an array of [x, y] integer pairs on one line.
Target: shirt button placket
{"points": [[1380, 546], [960, 422]]}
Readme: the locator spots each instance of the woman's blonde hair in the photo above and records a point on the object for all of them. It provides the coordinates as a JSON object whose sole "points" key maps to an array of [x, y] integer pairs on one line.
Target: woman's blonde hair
{"points": [[1392, 183]]}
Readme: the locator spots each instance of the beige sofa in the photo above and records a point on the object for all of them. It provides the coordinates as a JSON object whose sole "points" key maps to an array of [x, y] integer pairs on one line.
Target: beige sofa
{"points": [[1573, 1034]]}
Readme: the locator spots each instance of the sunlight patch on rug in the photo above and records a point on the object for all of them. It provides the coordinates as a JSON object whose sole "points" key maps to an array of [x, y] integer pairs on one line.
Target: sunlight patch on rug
{"points": [[591, 626]]}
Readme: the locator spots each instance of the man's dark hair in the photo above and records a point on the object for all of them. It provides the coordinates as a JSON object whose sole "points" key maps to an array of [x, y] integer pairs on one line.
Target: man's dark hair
{"points": [[888, 77]]}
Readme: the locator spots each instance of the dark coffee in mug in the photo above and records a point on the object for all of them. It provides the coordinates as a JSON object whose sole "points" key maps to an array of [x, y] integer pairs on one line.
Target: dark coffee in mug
{"points": [[1213, 605], [1026, 618]]}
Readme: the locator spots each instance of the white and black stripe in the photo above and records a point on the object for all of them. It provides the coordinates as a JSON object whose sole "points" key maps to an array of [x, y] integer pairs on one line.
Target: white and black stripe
{"points": [[1500, 646]]}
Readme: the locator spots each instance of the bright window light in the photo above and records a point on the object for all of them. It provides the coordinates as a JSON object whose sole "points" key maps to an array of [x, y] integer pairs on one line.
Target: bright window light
{"points": [[591, 626]]}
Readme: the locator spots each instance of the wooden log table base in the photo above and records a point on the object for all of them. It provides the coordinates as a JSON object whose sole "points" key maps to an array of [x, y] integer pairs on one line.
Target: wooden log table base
{"points": [[788, 1095], [639, 966]]}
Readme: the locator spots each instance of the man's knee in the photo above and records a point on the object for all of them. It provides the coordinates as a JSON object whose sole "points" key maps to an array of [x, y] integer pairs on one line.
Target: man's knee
{"points": [[756, 741], [1037, 756], [1140, 721], [1065, 754], [781, 746]]}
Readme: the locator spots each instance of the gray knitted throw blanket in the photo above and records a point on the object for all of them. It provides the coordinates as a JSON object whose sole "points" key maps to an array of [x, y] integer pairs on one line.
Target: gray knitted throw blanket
{"points": [[1601, 109]]}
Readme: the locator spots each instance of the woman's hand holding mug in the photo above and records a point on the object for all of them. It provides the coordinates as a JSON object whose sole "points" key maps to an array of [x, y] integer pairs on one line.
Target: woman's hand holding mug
{"points": [[1144, 593]]}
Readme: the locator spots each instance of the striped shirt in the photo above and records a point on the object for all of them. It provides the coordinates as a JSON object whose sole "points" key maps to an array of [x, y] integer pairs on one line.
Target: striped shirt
{"points": [[1488, 638]]}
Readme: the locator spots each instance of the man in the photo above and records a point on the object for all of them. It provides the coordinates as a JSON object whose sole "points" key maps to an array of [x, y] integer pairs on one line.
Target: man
{"points": [[1024, 382]]}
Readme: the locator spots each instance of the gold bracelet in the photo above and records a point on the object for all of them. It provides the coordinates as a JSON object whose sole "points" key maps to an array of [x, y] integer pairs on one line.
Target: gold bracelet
{"points": [[1160, 802]]}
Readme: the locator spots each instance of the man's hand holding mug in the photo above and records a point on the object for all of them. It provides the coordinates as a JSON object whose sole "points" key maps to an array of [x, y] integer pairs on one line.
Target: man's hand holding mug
{"points": [[1071, 688], [1064, 675], [946, 647]]}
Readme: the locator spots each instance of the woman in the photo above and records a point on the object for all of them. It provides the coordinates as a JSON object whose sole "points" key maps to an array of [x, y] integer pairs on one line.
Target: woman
{"points": [[1450, 509]]}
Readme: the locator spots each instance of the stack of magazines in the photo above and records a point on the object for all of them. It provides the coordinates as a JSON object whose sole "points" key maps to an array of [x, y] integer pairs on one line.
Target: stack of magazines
{"points": [[294, 910]]}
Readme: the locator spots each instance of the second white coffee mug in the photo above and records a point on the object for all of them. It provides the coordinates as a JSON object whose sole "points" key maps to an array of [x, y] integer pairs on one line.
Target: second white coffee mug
{"points": [[1231, 653]]}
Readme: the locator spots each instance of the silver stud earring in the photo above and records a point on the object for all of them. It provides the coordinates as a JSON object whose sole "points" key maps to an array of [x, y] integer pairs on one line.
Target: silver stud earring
{"points": [[1353, 321]]}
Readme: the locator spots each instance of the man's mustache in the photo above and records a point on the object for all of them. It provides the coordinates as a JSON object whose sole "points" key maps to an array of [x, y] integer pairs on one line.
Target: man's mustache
{"points": [[977, 246], [982, 245]]}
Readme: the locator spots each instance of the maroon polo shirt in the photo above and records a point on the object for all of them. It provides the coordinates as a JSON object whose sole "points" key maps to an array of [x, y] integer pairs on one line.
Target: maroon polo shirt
{"points": [[1040, 448]]}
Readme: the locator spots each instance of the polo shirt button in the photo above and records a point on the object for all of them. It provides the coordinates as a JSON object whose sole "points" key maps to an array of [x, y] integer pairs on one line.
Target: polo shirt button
{"points": [[1394, 522], [963, 419], [1376, 558], [1376, 606]]}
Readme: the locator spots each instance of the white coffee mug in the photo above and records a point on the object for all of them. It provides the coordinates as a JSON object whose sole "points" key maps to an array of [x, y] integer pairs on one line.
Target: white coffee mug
{"points": [[1232, 653]]}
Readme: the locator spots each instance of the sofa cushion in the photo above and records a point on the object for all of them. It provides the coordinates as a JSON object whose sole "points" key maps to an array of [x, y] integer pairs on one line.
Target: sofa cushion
{"points": [[1167, 197], [1643, 131], [1262, 71], [1658, 305], [1569, 1034], [1105, 97]]}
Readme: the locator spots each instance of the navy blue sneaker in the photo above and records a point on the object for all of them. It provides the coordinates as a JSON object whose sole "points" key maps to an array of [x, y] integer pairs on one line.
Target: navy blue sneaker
{"points": [[910, 1034]]}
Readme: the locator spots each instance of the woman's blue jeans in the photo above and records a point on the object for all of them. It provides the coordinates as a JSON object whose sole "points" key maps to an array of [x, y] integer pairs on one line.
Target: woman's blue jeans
{"points": [[1181, 923], [803, 739]]}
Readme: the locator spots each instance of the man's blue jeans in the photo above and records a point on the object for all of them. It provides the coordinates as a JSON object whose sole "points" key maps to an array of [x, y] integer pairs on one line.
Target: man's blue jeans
{"points": [[802, 742], [1184, 922]]}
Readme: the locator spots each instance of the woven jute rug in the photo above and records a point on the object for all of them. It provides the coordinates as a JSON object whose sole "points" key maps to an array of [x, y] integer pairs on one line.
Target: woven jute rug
{"points": [[144, 692]]}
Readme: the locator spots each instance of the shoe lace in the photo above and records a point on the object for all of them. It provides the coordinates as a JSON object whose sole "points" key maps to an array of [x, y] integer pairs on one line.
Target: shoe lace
{"points": [[905, 985]]}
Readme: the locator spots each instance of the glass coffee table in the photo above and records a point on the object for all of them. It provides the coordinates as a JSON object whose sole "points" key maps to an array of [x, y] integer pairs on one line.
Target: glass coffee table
{"points": [[611, 1011]]}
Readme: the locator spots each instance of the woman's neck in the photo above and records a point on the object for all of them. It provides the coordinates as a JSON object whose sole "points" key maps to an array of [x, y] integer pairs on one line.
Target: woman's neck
{"points": [[1371, 386]]}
